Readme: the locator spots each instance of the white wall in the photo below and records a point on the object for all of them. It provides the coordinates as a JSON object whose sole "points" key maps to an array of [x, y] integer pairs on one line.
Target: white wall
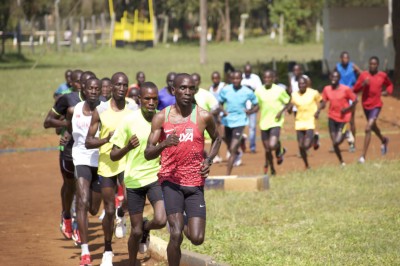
{"points": [[360, 31]]}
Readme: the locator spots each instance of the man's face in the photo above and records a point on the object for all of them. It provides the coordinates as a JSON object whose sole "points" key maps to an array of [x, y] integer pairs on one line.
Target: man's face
{"points": [[335, 77], [106, 88], [76, 81], [141, 78], [268, 78], [297, 71], [247, 71], [302, 85], [119, 87], [345, 59], [170, 80], [216, 79], [84, 78], [149, 100], [373, 65], [92, 90], [184, 91], [196, 81], [236, 79], [134, 95]]}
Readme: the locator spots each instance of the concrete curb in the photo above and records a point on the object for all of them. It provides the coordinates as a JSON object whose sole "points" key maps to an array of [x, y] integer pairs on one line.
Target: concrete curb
{"points": [[238, 183], [158, 249]]}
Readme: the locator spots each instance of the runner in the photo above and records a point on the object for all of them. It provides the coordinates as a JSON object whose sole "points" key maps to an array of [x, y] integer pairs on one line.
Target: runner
{"points": [[307, 101], [52, 120], [273, 102], [106, 118], [348, 71], [180, 129], [294, 82], [235, 97], [106, 88], [215, 88], [165, 96], [88, 197], [134, 96], [140, 179], [65, 87], [339, 110], [252, 81], [140, 79], [371, 83]]}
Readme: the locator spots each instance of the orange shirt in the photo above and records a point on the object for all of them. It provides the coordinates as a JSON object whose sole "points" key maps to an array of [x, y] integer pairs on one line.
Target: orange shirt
{"points": [[338, 99]]}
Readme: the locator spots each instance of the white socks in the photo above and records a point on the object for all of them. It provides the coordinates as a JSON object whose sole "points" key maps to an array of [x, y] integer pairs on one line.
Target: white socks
{"points": [[85, 249]]}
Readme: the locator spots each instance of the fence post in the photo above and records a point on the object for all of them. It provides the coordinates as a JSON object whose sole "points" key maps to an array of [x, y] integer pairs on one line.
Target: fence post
{"points": [[72, 29], [103, 27], [94, 31], [57, 17], [281, 28], [81, 28]]}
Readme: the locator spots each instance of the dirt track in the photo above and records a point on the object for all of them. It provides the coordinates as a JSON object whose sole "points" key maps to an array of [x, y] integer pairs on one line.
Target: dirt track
{"points": [[30, 186]]}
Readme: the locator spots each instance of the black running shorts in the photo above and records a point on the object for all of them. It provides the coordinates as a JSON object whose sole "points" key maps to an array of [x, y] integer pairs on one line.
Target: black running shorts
{"points": [[137, 197], [179, 199], [273, 131], [90, 174]]}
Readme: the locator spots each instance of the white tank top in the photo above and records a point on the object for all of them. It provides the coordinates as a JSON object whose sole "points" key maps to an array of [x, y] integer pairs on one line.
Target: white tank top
{"points": [[80, 128]]}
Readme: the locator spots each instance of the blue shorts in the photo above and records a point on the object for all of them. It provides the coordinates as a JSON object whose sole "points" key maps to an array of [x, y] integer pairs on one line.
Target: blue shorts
{"points": [[372, 113]]}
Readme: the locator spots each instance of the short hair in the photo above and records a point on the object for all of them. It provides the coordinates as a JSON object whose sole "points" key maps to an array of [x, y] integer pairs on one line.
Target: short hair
{"points": [[237, 72], [116, 75], [343, 53], [180, 76], [197, 75], [148, 85], [87, 74], [374, 57], [269, 71], [336, 71], [138, 73], [106, 79], [75, 74], [215, 73], [90, 80]]}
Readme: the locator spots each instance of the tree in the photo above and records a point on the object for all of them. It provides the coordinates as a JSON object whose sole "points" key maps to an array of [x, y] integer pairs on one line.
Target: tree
{"points": [[203, 33], [396, 42], [4, 16]]}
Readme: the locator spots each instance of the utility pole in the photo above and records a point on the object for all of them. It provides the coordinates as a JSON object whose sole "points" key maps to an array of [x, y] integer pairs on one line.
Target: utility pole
{"points": [[203, 31]]}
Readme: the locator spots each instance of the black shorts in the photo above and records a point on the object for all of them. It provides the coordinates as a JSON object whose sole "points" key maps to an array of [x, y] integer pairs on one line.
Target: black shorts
{"points": [[137, 197], [372, 113], [272, 132], [179, 199], [112, 180], [301, 134], [90, 174], [67, 168], [233, 133], [335, 126]]}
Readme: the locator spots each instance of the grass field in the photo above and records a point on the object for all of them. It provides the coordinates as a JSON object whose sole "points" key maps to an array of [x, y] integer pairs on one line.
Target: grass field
{"points": [[27, 86], [319, 217]]}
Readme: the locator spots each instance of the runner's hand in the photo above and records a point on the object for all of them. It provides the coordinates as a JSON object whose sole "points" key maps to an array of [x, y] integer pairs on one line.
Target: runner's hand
{"points": [[205, 169], [278, 116], [133, 142], [316, 115], [172, 140], [110, 135], [65, 138]]}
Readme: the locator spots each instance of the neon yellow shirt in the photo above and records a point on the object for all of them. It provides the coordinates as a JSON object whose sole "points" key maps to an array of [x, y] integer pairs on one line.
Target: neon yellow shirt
{"points": [[109, 120], [207, 101], [307, 105], [271, 102], [139, 172]]}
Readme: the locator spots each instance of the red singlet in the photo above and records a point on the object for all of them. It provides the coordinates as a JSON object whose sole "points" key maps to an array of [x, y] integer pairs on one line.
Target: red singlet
{"points": [[181, 164]]}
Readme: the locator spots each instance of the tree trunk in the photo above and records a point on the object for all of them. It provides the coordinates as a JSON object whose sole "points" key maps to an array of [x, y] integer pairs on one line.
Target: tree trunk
{"points": [[203, 33], [396, 44], [227, 22]]}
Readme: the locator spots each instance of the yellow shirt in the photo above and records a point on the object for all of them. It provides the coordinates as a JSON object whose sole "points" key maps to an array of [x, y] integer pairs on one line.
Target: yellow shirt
{"points": [[109, 121], [307, 105]]}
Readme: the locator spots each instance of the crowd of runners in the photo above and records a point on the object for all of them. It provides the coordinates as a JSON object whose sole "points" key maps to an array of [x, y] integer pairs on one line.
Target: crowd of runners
{"points": [[124, 144]]}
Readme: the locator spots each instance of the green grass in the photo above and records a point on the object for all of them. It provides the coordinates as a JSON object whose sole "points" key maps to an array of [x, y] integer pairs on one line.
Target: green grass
{"points": [[27, 83], [328, 216]]}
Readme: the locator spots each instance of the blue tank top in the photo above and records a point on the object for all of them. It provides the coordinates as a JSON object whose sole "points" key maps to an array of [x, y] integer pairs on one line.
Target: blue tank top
{"points": [[347, 74]]}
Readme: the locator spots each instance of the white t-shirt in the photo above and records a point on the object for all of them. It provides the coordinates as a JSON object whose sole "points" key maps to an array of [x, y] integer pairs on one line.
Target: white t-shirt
{"points": [[80, 127], [219, 88], [253, 82]]}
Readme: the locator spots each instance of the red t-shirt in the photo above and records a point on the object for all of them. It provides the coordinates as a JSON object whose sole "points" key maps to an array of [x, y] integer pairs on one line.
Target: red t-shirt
{"points": [[338, 99], [181, 164], [371, 93]]}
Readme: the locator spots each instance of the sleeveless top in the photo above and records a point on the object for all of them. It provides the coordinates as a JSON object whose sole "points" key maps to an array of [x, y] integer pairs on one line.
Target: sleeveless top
{"points": [[347, 75], [181, 164], [80, 126]]}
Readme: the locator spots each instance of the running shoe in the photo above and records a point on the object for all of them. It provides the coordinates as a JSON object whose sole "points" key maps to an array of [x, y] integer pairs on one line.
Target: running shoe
{"points": [[107, 259], [238, 159], [361, 160], [342, 164], [103, 213], [384, 146], [120, 225], [85, 260], [66, 227], [145, 242], [280, 158], [316, 141]]}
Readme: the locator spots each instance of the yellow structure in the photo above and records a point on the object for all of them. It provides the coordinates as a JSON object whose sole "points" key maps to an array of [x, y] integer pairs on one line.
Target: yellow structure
{"points": [[133, 27]]}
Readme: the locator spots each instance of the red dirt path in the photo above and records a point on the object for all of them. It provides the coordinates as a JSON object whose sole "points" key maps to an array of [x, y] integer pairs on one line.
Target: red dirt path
{"points": [[30, 186]]}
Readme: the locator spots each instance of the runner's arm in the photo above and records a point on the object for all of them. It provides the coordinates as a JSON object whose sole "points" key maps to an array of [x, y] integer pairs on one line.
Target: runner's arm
{"points": [[321, 106], [53, 120], [118, 153], [215, 144], [153, 148], [92, 142], [68, 119]]}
